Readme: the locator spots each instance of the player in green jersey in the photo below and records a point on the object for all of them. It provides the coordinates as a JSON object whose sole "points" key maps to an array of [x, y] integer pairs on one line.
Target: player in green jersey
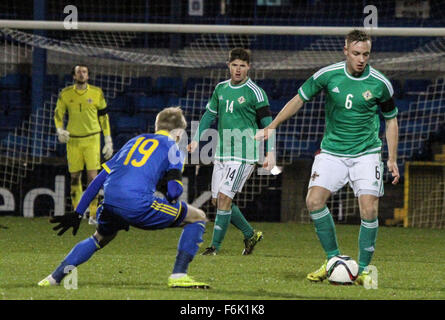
{"points": [[351, 148], [239, 104]]}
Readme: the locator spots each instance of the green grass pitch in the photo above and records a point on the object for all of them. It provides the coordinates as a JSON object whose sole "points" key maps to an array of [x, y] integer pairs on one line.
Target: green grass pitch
{"points": [[137, 263]]}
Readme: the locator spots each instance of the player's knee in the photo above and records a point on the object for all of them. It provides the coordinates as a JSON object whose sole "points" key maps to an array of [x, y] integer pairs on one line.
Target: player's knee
{"points": [[202, 215], [314, 203], [368, 212], [75, 178], [101, 240], [91, 174], [224, 201], [195, 214]]}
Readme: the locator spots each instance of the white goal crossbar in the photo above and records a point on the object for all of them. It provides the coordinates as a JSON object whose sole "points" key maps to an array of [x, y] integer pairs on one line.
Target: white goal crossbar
{"points": [[221, 29]]}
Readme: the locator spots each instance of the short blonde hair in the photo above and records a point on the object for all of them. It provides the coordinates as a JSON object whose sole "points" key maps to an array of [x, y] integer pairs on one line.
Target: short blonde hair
{"points": [[170, 118]]}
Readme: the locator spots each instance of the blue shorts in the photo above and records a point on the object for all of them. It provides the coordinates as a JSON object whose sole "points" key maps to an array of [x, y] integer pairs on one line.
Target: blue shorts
{"points": [[161, 214]]}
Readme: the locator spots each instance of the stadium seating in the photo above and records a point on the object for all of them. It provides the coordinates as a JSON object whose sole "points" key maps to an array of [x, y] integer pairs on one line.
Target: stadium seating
{"points": [[52, 83], [268, 85], [287, 88], [169, 86], [134, 110], [12, 98], [397, 86], [140, 85], [15, 81], [135, 124], [416, 86]]}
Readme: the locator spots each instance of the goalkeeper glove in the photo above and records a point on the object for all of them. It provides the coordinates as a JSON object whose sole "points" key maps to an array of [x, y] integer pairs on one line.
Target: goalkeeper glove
{"points": [[63, 135], [71, 219], [107, 150]]}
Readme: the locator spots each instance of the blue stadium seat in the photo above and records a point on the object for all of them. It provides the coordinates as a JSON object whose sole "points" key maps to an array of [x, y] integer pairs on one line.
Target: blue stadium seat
{"points": [[149, 103], [397, 86], [172, 101], [15, 81], [268, 85], [140, 85], [130, 124], [18, 143], [415, 86], [105, 81], [192, 82], [11, 98], [169, 85], [51, 83], [288, 88], [150, 118], [118, 104], [276, 105], [66, 81], [402, 105], [121, 138]]}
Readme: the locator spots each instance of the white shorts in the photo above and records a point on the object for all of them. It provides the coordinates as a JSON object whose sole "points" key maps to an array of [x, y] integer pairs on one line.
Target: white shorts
{"points": [[364, 173], [229, 177]]}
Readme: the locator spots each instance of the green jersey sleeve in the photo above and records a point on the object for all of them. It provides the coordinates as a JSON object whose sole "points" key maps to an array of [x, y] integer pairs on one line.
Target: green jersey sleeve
{"points": [[212, 105], [312, 86], [388, 108], [260, 98]]}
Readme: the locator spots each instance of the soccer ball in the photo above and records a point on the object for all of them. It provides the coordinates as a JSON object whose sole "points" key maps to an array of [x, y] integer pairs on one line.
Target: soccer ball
{"points": [[342, 270]]}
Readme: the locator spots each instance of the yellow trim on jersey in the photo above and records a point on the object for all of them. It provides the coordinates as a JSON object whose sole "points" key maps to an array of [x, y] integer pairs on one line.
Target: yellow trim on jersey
{"points": [[165, 208], [180, 182], [163, 133], [106, 168], [179, 211], [162, 208]]}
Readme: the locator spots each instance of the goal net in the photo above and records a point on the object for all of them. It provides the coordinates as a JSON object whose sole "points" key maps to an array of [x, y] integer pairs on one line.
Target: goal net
{"points": [[425, 195], [142, 72]]}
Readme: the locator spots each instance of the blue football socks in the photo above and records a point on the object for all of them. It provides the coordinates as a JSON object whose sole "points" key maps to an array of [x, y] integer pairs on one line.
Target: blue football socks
{"points": [[78, 255], [188, 245]]}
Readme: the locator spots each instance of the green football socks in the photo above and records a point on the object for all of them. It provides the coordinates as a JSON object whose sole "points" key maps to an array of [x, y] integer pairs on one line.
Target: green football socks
{"points": [[222, 222], [366, 242], [325, 229], [240, 222]]}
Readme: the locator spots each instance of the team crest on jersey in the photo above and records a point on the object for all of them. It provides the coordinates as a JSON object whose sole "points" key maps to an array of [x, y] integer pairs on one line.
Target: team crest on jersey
{"points": [[241, 100], [220, 97], [90, 100], [367, 95]]}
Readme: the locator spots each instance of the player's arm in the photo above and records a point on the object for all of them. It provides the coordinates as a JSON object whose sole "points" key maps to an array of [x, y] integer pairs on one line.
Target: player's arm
{"points": [[290, 108], [104, 121], [264, 117], [174, 184], [310, 88], [91, 192], [389, 111], [173, 176], [72, 219], [59, 114], [206, 121]]}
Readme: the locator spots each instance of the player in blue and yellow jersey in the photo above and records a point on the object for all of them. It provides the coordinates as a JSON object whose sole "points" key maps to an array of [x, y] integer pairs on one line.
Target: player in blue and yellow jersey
{"points": [[129, 180], [87, 117]]}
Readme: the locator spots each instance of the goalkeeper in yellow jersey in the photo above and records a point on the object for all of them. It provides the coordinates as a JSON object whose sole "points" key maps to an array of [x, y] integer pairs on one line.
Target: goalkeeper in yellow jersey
{"points": [[87, 117]]}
